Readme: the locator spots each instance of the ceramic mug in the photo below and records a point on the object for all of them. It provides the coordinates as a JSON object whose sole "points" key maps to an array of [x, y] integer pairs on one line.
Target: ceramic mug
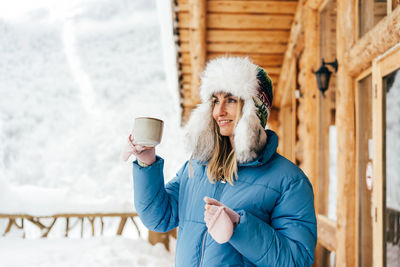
{"points": [[147, 131]]}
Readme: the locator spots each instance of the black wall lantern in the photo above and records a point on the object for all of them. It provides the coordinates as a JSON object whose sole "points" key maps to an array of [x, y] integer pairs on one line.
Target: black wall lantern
{"points": [[324, 74]]}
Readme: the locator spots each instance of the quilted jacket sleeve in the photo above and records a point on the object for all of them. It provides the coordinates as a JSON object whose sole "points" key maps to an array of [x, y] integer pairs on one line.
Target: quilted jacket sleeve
{"points": [[290, 238], [156, 203]]}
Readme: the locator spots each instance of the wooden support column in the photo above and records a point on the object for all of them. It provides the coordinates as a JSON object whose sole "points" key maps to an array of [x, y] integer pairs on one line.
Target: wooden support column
{"points": [[311, 52], [345, 123], [311, 96], [197, 44]]}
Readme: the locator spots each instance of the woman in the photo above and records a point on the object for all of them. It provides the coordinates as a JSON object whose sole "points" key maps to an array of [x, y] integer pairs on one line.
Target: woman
{"points": [[236, 202]]}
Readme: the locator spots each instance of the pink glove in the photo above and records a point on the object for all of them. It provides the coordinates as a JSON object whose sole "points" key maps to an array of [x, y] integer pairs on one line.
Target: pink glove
{"points": [[220, 220], [146, 155]]}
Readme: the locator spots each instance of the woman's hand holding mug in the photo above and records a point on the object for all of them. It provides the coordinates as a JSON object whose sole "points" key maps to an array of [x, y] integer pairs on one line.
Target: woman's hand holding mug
{"points": [[143, 139], [146, 155]]}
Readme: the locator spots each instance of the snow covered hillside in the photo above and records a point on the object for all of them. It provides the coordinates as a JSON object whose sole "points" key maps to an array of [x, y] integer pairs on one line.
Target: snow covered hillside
{"points": [[72, 79], [73, 76]]}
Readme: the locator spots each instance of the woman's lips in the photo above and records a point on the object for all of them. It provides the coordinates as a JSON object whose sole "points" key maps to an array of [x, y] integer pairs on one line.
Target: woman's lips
{"points": [[224, 122]]}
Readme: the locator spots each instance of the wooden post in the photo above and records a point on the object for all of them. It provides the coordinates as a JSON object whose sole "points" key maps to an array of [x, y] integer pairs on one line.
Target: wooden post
{"points": [[121, 225], [197, 43], [311, 53], [345, 123], [66, 226], [311, 95], [163, 238]]}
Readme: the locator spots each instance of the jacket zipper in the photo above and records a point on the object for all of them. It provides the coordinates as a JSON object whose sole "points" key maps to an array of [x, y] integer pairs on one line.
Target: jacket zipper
{"points": [[217, 195], [202, 247]]}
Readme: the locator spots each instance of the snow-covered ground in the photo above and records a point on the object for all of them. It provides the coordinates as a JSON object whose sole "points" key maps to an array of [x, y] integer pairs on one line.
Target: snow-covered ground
{"points": [[73, 76], [99, 252]]}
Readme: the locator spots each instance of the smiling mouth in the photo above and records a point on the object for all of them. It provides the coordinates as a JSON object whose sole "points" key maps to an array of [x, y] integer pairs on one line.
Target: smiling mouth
{"points": [[224, 122]]}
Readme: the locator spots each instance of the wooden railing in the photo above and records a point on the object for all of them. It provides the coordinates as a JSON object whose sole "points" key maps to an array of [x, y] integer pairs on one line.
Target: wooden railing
{"points": [[326, 232], [46, 224], [71, 221]]}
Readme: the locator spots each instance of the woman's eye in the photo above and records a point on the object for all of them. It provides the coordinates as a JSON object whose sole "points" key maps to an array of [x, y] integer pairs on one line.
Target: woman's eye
{"points": [[215, 101], [232, 100]]}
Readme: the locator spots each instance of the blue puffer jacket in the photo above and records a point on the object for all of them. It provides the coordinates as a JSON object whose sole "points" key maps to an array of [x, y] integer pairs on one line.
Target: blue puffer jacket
{"points": [[272, 195]]}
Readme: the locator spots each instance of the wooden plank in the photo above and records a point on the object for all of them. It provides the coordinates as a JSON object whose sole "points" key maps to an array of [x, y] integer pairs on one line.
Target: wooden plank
{"points": [[268, 7], [185, 48], [271, 70], [326, 232], [186, 69], [183, 20], [363, 196], [233, 21], [187, 77], [183, 5], [378, 163], [271, 36], [369, 46], [267, 48], [272, 60], [345, 123], [275, 36]]}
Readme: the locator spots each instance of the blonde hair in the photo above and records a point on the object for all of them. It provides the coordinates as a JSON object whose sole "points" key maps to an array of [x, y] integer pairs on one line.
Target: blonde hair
{"points": [[223, 163]]}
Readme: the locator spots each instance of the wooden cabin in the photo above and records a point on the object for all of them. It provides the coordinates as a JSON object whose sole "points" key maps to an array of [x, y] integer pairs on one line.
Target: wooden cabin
{"points": [[339, 138]]}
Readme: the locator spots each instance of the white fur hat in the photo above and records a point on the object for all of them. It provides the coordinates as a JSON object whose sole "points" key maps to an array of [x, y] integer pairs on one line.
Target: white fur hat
{"points": [[238, 76]]}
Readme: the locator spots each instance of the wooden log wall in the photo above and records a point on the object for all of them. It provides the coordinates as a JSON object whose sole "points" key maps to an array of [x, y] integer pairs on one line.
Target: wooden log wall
{"points": [[301, 36]]}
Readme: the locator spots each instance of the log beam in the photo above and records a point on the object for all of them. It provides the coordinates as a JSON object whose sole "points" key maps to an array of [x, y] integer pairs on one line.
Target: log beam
{"points": [[369, 46], [310, 161], [345, 123]]}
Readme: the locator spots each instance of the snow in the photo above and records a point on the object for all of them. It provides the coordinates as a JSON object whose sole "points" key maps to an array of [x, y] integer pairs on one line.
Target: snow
{"points": [[73, 76], [332, 173], [71, 86], [99, 251]]}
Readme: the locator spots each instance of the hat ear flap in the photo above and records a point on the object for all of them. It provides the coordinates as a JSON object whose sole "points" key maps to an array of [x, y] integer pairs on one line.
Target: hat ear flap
{"points": [[250, 138], [200, 136]]}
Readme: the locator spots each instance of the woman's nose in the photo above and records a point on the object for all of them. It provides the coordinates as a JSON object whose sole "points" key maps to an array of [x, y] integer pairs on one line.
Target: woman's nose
{"points": [[221, 109]]}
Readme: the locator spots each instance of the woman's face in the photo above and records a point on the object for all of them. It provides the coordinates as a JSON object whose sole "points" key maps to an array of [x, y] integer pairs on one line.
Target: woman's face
{"points": [[224, 112]]}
